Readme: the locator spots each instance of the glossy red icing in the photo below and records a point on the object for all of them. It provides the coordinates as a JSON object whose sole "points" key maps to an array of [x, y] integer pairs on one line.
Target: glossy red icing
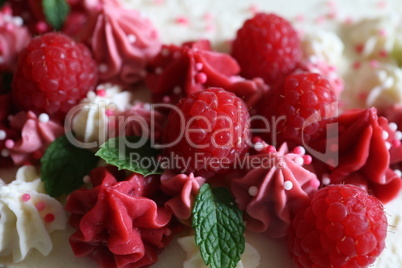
{"points": [[116, 224]]}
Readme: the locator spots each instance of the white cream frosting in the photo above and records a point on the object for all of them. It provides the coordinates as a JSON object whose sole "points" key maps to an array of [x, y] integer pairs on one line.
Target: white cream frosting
{"points": [[91, 118], [24, 207], [374, 84], [373, 35], [323, 46], [249, 259]]}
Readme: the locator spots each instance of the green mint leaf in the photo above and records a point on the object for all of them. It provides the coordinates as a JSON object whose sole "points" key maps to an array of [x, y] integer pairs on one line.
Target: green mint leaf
{"points": [[56, 12], [219, 227], [63, 166], [130, 153]]}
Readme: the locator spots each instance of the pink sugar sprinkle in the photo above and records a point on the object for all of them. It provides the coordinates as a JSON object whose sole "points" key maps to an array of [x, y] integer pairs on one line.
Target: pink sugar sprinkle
{"points": [[168, 232], [208, 16], [297, 150], [182, 20], [26, 197], [332, 14], [101, 92], [7, 10], [210, 27], [41, 27], [40, 206], [383, 54], [9, 27], [356, 65], [201, 78], [159, 2], [9, 144], [253, 9], [348, 20], [307, 159], [331, 3], [382, 32], [381, 4], [109, 112], [299, 18], [359, 48], [374, 64], [199, 66], [320, 19], [49, 217], [166, 99]]}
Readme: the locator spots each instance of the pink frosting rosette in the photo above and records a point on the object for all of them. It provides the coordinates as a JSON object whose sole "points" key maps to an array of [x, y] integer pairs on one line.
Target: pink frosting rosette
{"points": [[183, 189], [121, 42], [36, 134], [272, 192], [13, 38], [178, 71], [117, 224], [363, 154]]}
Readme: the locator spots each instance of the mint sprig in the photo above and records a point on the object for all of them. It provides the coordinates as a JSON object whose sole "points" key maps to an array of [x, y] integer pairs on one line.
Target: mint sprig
{"points": [[56, 12], [63, 166], [219, 227], [132, 154]]}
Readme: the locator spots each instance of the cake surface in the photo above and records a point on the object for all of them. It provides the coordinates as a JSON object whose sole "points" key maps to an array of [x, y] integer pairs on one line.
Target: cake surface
{"points": [[178, 21]]}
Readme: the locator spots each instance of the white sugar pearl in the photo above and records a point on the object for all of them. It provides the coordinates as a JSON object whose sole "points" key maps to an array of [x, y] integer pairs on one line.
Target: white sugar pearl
{"points": [[393, 126], [44, 118], [326, 181], [18, 21], [131, 38], [86, 179], [385, 134], [3, 135], [5, 153], [398, 135], [103, 68], [388, 145], [253, 190], [398, 172], [299, 160], [288, 185], [258, 146]]}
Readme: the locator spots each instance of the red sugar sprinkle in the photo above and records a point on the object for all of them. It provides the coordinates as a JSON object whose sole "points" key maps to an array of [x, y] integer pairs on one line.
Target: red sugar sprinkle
{"points": [[356, 65], [359, 48], [362, 96], [271, 149], [182, 20], [256, 139], [26, 197], [201, 78], [101, 92], [383, 54], [109, 112], [396, 143], [7, 10], [307, 159], [37, 154], [40, 206], [41, 27], [297, 150], [49, 217]]}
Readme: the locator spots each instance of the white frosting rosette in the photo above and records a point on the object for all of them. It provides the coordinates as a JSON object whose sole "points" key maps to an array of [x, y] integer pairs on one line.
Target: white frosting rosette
{"points": [[323, 46], [373, 37], [27, 216], [249, 259], [374, 84], [90, 119]]}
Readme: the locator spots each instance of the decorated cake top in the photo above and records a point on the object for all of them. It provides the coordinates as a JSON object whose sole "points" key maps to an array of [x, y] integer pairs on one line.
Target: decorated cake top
{"points": [[138, 141]]}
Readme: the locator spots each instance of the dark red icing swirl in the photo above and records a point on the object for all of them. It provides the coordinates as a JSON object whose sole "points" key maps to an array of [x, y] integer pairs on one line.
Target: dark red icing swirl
{"points": [[269, 207], [363, 155], [116, 224], [178, 71]]}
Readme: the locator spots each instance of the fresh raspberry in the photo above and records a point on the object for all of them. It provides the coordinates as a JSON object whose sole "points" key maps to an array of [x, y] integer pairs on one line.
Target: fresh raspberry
{"points": [[342, 227], [53, 74], [266, 46], [209, 130], [294, 110]]}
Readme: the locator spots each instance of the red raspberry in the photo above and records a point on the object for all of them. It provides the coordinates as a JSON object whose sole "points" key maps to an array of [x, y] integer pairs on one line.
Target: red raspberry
{"points": [[53, 74], [266, 46], [302, 97], [342, 227], [214, 130]]}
